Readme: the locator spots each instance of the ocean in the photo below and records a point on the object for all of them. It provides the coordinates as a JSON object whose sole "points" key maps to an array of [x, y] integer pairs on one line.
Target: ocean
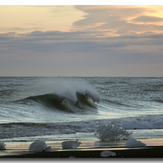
{"points": [[62, 108]]}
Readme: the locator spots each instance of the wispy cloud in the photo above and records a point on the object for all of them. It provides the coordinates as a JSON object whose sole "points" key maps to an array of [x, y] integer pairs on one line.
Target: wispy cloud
{"points": [[121, 20]]}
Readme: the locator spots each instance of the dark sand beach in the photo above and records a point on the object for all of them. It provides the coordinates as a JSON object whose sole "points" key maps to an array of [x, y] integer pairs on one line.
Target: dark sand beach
{"points": [[153, 149], [148, 152]]}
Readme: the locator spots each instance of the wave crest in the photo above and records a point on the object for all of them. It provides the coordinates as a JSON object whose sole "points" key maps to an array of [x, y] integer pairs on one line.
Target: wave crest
{"points": [[84, 101], [50, 101], [67, 96]]}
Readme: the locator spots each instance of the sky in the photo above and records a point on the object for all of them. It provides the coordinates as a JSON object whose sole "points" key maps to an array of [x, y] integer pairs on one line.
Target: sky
{"points": [[81, 40]]}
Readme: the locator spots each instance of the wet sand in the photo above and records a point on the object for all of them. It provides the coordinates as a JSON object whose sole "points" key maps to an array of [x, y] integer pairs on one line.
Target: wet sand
{"points": [[88, 149]]}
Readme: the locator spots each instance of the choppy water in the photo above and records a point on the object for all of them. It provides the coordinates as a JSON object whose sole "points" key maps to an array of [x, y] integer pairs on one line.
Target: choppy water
{"points": [[61, 107]]}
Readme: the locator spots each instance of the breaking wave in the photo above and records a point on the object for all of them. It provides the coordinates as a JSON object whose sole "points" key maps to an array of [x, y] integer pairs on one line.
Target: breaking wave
{"points": [[63, 95], [67, 96], [84, 101]]}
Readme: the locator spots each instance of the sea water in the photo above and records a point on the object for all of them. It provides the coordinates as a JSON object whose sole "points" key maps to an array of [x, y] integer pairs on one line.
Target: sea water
{"points": [[54, 108]]}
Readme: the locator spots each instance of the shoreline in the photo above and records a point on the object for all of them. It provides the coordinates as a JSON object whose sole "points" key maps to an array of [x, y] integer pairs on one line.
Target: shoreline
{"points": [[88, 149]]}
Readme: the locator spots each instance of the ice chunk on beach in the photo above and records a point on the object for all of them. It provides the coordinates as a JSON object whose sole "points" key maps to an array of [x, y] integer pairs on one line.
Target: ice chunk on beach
{"points": [[132, 142], [107, 154], [39, 146], [109, 132], [2, 146], [48, 149], [70, 144]]}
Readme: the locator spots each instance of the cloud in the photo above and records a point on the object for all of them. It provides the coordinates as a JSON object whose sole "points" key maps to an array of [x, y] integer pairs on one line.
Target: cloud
{"points": [[109, 41], [59, 45], [148, 19], [119, 20], [28, 18]]}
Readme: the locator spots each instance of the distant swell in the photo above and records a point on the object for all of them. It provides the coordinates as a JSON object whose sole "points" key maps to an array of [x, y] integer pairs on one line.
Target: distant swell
{"points": [[53, 101]]}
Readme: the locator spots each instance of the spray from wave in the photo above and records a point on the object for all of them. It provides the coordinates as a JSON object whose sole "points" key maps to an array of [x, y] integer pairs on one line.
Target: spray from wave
{"points": [[65, 95]]}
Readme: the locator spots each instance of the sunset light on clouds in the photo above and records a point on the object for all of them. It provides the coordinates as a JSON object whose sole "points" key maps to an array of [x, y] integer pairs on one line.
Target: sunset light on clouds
{"points": [[82, 40], [24, 19]]}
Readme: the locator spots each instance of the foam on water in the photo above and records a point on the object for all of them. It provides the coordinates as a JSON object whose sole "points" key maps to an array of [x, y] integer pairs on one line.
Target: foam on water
{"points": [[74, 127]]}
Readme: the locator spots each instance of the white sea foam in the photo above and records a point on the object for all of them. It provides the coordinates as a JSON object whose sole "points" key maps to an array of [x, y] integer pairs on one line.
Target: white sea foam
{"points": [[102, 129], [141, 122]]}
